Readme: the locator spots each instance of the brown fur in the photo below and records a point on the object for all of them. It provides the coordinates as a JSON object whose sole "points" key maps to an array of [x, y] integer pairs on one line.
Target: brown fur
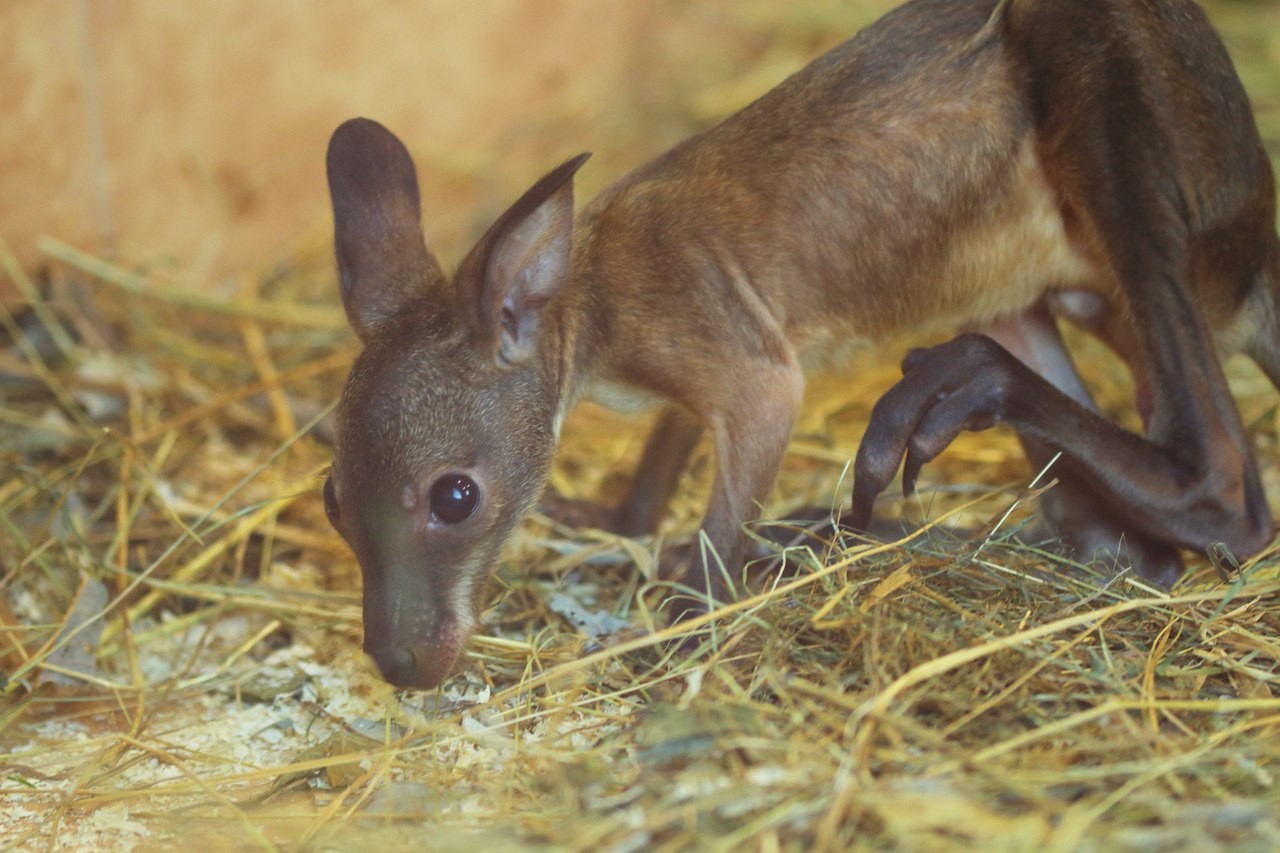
{"points": [[961, 164]]}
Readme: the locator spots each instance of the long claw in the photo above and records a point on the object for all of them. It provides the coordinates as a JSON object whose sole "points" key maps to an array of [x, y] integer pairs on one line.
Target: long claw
{"points": [[860, 512], [910, 471]]}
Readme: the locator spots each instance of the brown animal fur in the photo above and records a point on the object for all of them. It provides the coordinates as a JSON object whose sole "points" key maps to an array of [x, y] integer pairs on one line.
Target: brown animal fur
{"points": [[961, 163]]}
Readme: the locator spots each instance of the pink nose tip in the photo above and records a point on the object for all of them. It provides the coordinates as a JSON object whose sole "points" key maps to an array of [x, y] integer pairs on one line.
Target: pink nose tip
{"points": [[414, 667], [399, 666]]}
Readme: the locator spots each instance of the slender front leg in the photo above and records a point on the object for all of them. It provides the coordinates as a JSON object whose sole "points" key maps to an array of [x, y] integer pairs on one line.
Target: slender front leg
{"points": [[666, 453], [751, 428]]}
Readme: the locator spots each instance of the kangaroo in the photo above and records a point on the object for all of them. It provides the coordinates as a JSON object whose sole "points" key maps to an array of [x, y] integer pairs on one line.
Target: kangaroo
{"points": [[982, 166]]}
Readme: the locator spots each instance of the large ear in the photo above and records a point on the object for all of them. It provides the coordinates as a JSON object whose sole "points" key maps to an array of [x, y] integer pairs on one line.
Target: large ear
{"points": [[520, 264], [383, 262]]}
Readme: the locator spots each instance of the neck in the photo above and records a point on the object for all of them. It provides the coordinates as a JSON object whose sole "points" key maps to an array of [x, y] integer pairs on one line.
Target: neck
{"points": [[577, 330]]}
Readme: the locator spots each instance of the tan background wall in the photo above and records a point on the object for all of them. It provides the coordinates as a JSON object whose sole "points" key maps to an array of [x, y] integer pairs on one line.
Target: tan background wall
{"points": [[190, 136]]}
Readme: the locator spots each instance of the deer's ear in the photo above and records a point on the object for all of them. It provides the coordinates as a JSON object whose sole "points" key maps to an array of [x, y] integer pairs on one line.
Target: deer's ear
{"points": [[519, 265], [383, 262]]}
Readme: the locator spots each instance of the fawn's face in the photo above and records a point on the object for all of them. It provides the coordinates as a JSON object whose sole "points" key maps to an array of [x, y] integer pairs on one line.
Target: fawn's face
{"points": [[446, 424], [440, 452]]}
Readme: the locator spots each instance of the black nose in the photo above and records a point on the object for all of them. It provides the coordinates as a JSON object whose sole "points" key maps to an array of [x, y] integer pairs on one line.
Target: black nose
{"points": [[399, 666]]}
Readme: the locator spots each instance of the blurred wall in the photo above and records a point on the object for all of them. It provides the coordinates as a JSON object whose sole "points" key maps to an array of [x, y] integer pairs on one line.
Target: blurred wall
{"points": [[190, 137], [193, 134]]}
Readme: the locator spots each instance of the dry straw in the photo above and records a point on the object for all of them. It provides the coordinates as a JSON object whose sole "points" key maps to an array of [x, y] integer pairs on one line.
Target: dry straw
{"points": [[180, 632]]}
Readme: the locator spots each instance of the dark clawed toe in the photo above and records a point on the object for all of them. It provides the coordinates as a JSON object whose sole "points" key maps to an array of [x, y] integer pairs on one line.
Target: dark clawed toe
{"points": [[874, 470], [911, 472], [859, 519], [862, 505]]}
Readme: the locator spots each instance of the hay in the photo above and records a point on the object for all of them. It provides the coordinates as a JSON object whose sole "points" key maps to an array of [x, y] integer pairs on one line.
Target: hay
{"points": [[180, 633]]}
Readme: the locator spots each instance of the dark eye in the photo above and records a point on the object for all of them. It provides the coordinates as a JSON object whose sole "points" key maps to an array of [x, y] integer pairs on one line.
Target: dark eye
{"points": [[454, 497], [331, 501]]}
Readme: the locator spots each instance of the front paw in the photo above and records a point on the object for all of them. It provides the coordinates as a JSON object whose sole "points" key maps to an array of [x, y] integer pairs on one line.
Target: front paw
{"points": [[962, 385]]}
